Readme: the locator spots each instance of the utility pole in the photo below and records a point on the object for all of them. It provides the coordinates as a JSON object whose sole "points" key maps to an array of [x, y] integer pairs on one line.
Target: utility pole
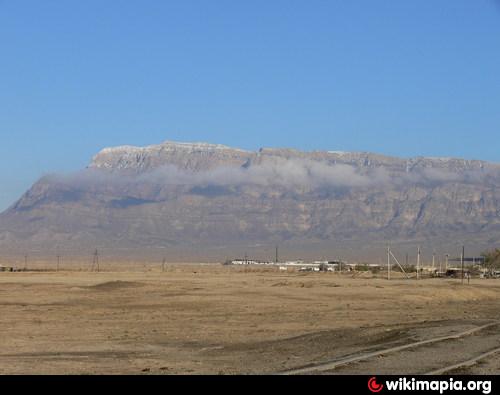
{"points": [[277, 257], [463, 257], [388, 262], [58, 261], [95, 261], [399, 264], [446, 264], [25, 262], [418, 263]]}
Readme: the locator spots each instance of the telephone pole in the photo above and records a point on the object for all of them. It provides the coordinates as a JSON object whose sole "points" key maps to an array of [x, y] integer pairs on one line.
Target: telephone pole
{"points": [[276, 258], [418, 263], [462, 259], [95, 261], [388, 262]]}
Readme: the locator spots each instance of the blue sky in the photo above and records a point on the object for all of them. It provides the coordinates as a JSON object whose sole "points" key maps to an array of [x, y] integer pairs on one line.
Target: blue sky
{"points": [[403, 78]]}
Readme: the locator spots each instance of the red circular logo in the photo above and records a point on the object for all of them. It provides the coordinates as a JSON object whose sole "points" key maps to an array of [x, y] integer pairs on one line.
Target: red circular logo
{"points": [[373, 386]]}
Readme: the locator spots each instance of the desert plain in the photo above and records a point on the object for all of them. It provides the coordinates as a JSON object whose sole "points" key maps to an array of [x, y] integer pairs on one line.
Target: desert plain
{"points": [[214, 319]]}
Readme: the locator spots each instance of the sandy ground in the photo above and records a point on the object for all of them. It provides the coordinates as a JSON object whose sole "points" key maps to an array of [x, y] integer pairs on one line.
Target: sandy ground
{"points": [[195, 319]]}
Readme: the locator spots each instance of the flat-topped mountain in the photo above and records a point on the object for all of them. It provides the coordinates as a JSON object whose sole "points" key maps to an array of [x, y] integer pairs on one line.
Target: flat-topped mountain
{"points": [[212, 197], [196, 156]]}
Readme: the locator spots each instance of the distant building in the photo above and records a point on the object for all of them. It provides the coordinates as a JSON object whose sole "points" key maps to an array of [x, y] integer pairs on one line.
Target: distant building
{"points": [[331, 266], [250, 262]]}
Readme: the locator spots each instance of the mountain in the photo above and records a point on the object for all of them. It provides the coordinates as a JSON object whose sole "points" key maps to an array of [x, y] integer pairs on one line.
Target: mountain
{"points": [[214, 201]]}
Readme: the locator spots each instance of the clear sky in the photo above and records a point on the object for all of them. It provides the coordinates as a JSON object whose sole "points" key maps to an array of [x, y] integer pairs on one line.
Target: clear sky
{"points": [[403, 78]]}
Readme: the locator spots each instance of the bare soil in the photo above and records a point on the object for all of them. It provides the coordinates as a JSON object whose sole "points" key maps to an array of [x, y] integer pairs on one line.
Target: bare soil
{"points": [[210, 319]]}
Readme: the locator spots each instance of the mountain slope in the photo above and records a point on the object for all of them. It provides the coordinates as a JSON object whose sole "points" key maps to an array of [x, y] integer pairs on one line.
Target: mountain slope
{"points": [[199, 196]]}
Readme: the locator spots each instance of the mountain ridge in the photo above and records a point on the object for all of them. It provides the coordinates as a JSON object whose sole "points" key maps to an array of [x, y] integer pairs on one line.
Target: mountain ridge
{"points": [[170, 146], [176, 195]]}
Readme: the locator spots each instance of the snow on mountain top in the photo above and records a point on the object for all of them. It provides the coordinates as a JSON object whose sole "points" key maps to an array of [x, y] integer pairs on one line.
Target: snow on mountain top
{"points": [[169, 145], [128, 155], [441, 159]]}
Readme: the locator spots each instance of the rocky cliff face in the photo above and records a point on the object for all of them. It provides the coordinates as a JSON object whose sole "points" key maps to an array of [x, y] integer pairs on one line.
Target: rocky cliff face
{"points": [[186, 156], [212, 196]]}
